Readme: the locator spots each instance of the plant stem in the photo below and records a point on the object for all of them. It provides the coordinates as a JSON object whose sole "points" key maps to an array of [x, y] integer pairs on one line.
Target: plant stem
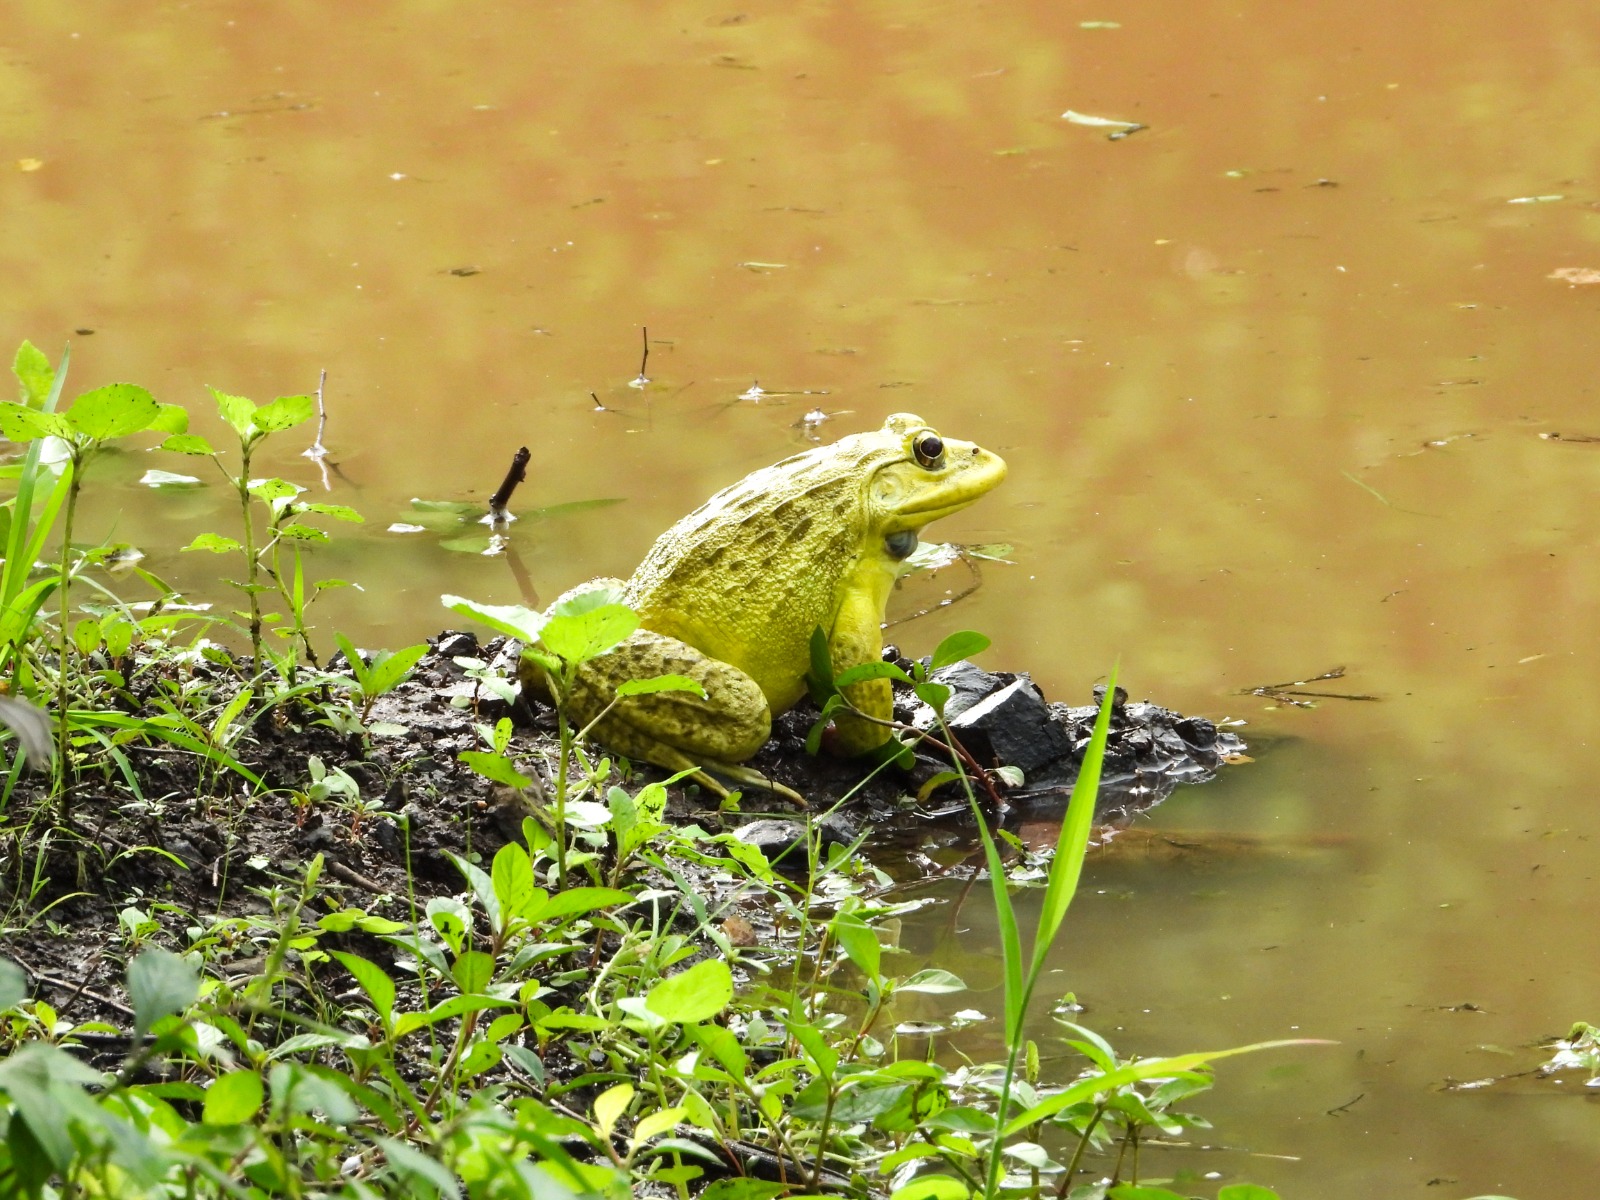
{"points": [[251, 567], [63, 768]]}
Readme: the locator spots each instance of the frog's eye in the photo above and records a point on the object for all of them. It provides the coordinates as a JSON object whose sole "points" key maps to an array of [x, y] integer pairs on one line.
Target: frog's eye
{"points": [[928, 449]]}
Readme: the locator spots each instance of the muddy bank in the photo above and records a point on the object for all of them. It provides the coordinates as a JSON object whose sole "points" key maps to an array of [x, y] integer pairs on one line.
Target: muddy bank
{"points": [[149, 857]]}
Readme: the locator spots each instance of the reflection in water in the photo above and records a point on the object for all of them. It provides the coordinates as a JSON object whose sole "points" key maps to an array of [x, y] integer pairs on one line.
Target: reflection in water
{"points": [[1279, 379]]}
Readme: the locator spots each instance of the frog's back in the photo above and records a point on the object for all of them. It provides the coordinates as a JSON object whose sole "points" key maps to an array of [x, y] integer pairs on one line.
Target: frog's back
{"points": [[749, 574]]}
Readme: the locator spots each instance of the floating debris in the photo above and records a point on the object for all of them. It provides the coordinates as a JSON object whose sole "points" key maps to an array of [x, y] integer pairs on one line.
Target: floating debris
{"points": [[1287, 693], [1119, 129]]}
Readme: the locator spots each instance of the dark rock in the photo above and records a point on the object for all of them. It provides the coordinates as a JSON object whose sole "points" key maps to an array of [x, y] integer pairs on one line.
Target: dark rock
{"points": [[456, 644], [1015, 728], [782, 840]]}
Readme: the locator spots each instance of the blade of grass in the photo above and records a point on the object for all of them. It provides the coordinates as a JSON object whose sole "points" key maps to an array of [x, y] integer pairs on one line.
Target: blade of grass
{"points": [[1067, 867]]}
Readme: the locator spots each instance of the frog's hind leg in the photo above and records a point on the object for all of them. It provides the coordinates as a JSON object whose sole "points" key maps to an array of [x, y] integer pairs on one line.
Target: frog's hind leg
{"points": [[678, 730]]}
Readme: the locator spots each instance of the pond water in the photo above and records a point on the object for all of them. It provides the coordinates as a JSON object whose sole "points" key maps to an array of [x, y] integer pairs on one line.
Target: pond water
{"points": [[1296, 377]]}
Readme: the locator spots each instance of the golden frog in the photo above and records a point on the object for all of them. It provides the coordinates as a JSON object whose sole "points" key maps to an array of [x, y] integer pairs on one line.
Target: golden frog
{"points": [[730, 595]]}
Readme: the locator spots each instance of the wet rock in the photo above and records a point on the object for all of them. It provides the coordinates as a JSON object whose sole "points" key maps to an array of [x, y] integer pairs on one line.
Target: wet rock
{"points": [[453, 643], [783, 841], [1013, 726], [1003, 719]]}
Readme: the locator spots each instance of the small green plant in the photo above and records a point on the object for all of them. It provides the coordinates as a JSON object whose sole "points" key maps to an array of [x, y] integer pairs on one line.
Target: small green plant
{"points": [[387, 670], [252, 424], [95, 419]]}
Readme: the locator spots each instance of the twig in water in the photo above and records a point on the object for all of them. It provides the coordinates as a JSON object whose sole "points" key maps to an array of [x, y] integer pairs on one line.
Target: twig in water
{"points": [[502, 496], [1287, 693], [318, 453], [642, 382]]}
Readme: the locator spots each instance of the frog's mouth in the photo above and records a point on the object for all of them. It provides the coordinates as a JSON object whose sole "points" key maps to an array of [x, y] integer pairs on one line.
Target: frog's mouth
{"points": [[924, 496]]}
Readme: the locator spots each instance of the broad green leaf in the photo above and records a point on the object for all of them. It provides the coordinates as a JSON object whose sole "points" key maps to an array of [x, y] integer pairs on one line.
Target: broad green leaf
{"points": [[576, 900], [170, 418], [303, 533], [408, 1163], [823, 1056], [697, 994], [869, 670], [113, 411], [86, 636], [34, 373], [374, 982], [934, 981], [495, 767], [213, 542], [237, 411], [233, 1098], [446, 1010], [354, 660], [934, 695], [270, 489], [932, 1187], [609, 1106], [512, 873], [958, 646], [1251, 1191], [340, 512], [482, 887], [660, 683], [25, 424], [1129, 1191], [513, 620], [723, 1045], [283, 413], [472, 971], [656, 1123], [13, 980], [187, 443], [584, 636], [389, 671], [159, 984], [451, 918], [347, 919], [859, 941], [821, 676], [587, 600]]}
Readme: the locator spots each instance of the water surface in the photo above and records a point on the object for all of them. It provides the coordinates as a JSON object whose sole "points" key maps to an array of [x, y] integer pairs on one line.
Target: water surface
{"points": [[1277, 378]]}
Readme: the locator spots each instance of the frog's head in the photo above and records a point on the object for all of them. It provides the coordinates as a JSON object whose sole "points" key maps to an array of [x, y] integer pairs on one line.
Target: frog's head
{"points": [[920, 476]]}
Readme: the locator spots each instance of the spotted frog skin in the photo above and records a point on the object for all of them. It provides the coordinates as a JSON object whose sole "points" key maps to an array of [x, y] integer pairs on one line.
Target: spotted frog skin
{"points": [[730, 595]]}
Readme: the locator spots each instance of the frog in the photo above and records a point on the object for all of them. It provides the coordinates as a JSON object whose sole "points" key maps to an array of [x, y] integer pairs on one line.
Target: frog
{"points": [[729, 597]]}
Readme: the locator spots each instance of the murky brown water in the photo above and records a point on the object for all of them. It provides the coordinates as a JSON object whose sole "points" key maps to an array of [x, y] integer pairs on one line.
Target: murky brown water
{"points": [[1274, 378]]}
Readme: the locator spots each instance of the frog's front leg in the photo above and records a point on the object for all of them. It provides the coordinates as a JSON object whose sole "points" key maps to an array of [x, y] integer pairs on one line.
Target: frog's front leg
{"points": [[858, 638], [676, 730]]}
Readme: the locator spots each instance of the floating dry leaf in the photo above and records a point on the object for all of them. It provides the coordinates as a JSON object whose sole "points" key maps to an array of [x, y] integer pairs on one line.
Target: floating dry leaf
{"points": [[1575, 275], [29, 164]]}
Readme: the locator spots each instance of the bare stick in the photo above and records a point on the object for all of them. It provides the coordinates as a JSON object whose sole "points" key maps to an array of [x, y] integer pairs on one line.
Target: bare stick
{"points": [[643, 381], [318, 450], [502, 497]]}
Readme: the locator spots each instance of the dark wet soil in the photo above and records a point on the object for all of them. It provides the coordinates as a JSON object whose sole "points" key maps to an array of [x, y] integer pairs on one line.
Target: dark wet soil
{"points": [[191, 846]]}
